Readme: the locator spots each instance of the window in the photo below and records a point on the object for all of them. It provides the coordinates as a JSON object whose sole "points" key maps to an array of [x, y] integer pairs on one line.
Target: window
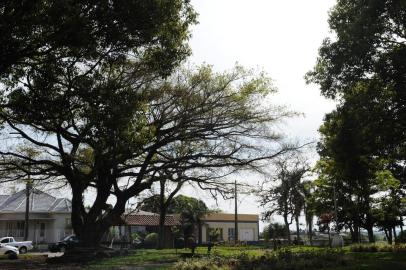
{"points": [[42, 230], [68, 227], [4, 241], [20, 229], [15, 229], [10, 228], [68, 223], [231, 234]]}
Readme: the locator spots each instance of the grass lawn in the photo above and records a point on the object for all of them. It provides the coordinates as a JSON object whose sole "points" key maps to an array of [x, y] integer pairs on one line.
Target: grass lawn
{"points": [[169, 256], [164, 259], [376, 261]]}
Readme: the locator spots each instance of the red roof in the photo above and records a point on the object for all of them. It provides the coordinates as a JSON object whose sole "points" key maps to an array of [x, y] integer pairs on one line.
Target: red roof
{"points": [[150, 220]]}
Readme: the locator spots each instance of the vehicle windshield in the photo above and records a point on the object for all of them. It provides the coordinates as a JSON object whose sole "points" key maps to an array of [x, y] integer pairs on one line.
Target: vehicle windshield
{"points": [[66, 238]]}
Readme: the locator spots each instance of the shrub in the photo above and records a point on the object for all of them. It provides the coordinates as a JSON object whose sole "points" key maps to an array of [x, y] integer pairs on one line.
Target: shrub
{"points": [[151, 240], [400, 248], [212, 263], [364, 248], [281, 260]]}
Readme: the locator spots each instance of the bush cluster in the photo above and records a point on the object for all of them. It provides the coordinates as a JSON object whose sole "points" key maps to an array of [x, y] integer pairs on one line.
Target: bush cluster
{"points": [[399, 248], [151, 240], [280, 260]]}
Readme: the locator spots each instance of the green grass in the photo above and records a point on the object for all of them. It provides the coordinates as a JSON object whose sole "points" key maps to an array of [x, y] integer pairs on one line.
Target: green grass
{"points": [[164, 259], [145, 257], [138, 258], [375, 261]]}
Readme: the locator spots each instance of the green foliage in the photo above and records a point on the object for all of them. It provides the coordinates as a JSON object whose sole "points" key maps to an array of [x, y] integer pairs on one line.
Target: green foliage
{"points": [[151, 239], [362, 144], [274, 231], [151, 204], [114, 122], [288, 196], [52, 32], [283, 259], [215, 234], [368, 44], [399, 248], [212, 263]]}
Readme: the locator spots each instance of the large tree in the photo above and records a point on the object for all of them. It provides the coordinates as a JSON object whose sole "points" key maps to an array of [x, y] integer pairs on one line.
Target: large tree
{"points": [[365, 61], [114, 128], [347, 167], [73, 78], [363, 67]]}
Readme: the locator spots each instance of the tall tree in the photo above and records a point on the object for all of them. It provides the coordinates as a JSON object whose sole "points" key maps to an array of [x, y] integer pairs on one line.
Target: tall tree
{"points": [[72, 78], [365, 65], [348, 166], [113, 128]]}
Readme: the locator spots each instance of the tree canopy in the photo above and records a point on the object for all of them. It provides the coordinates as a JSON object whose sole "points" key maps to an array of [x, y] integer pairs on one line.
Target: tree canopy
{"points": [[53, 33], [116, 129], [362, 150]]}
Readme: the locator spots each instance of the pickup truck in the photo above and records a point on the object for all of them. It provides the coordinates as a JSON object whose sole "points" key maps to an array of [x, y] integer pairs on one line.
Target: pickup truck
{"points": [[23, 247]]}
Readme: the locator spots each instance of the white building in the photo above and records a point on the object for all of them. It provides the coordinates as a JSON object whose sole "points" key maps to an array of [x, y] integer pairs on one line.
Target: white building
{"points": [[224, 224], [49, 217]]}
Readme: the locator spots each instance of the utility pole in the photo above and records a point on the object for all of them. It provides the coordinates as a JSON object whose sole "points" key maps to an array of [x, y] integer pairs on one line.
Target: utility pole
{"points": [[235, 214], [27, 206]]}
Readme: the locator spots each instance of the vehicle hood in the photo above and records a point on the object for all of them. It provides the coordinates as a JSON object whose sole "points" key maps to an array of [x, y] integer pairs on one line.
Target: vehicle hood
{"points": [[10, 247]]}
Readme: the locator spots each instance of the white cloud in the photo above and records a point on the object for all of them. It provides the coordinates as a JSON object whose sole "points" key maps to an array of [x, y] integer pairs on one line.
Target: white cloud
{"points": [[281, 37]]}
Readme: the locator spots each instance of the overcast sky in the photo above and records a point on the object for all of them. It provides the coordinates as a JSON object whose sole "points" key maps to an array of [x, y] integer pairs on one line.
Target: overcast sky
{"points": [[281, 37]]}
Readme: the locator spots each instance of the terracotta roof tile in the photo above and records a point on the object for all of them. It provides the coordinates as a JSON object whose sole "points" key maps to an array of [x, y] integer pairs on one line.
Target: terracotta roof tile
{"points": [[150, 220]]}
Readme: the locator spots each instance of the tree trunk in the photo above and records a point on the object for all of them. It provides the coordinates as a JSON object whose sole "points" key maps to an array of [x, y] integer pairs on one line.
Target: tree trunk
{"points": [[354, 234], [371, 238], [386, 234], [287, 231], [90, 226], [311, 233], [359, 235], [390, 236], [394, 234], [297, 229], [161, 229], [162, 215], [329, 235], [199, 224]]}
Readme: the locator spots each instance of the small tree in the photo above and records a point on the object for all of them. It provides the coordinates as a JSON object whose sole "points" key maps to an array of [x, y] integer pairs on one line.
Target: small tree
{"points": [[286, 198]]}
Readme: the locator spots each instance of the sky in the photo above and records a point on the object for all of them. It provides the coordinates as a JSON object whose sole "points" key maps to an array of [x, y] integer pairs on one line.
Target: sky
{"points": [[281, 37]]}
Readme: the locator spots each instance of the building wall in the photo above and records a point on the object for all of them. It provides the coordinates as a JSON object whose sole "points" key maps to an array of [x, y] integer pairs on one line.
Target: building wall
{"points": [[226, 225], [61, 226], [43, 227]]}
